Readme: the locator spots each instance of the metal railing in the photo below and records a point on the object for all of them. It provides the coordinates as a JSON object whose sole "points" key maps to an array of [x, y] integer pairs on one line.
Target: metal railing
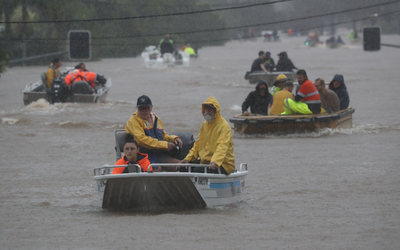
{"points": [[108, 169]]}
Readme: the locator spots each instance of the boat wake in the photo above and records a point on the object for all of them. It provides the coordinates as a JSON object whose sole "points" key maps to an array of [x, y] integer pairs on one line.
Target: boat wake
{"points": [[9, 121], [360, 129]]}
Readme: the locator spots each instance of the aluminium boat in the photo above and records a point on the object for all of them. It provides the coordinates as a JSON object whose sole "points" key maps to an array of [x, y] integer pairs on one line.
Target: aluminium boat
{"points": [[162, 191], [39, 90], [289, 124]]}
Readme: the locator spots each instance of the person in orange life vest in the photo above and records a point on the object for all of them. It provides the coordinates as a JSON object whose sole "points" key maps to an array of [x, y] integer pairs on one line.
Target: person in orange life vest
{"points": [[132, 156], [307, 93], [80, 75], [81, 66]]}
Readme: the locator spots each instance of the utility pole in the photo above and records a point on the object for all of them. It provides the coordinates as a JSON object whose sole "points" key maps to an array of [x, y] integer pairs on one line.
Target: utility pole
{"points": [[7, 30]]}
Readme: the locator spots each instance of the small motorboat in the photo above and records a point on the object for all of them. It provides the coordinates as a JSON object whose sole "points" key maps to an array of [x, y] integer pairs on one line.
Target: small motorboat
{"points": [[289, 124], [153, 58], [37, 90], [162, 191], [270, 77]]}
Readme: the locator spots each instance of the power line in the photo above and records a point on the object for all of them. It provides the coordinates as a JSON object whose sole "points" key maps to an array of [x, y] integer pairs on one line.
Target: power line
{"points": [[228, 28], [154, 16], [223, 40]]}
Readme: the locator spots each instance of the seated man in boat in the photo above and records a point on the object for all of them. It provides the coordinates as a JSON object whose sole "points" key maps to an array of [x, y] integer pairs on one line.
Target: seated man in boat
{"points": [[269, 62], [259, 63], [81, 66], [329, 99], [53, 72], [258, 100], [149, 133], [132, 156], [279, 98], [279, 83], [214, 145], [85, 76], [307, 99], [284, 63], [337, 85]]}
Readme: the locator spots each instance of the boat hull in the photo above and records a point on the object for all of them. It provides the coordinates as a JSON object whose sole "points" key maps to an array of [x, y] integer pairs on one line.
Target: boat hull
{"points": [[270, 78], [288, 124], [160, 191]]}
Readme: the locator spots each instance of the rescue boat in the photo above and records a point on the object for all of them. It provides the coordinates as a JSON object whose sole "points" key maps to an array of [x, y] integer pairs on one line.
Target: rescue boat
{"points": [[270, 77], [39, 90], [153, 59], [162, 191], [289, 124]]}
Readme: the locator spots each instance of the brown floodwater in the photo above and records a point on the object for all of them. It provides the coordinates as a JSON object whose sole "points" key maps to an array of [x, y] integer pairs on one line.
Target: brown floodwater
{"points": [[332, 189]]}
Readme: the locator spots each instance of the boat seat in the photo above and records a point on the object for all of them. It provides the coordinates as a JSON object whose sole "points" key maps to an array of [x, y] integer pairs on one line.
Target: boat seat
{"points": [[120, 135], [81, 87], [44, 79]]}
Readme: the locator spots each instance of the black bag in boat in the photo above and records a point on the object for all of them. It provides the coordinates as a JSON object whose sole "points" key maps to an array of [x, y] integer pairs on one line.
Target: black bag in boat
{"points": [[187, 144], [81, 87]]}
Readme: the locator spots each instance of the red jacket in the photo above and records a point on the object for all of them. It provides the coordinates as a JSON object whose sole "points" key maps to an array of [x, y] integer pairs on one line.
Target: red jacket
{"points": [[142, 161]]}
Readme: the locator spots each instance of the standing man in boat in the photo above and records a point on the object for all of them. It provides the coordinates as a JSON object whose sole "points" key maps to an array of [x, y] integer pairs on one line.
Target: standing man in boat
{"points": [[337, 85], [214, 145], [307, 99], [166, 45], [258, 100], [329, 99], [53, 72], [259, 63], [149, 133]]}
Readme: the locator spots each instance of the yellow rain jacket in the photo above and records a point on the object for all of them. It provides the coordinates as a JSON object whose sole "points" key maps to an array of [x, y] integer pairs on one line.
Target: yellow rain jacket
{"points": [[145, 135], [215, 141]]}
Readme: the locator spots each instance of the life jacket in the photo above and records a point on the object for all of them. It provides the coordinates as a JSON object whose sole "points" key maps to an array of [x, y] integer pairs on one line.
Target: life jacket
{"points": [[309, 93], [276, 89], [142, 161], [80, 75], [156, 133], [56, 73]]}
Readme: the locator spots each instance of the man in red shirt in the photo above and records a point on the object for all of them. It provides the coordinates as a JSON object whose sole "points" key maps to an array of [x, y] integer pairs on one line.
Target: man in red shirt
{"points": [[307, 100]]}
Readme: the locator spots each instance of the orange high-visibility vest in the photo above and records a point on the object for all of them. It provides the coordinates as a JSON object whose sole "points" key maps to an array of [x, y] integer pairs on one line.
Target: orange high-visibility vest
{"points": [[79, 75]]}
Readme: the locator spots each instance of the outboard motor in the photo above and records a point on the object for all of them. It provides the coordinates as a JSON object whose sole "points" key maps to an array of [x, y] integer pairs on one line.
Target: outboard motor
{"points": [[59, 92]]}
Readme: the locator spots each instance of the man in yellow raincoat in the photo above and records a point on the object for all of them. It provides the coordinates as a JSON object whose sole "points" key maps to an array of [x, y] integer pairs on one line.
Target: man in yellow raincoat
{"points": [[214, 145]]}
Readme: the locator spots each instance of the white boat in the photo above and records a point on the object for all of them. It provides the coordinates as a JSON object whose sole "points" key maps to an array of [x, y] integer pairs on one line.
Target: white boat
{"points": [[37, 90], [160, 191], [153, 59]]}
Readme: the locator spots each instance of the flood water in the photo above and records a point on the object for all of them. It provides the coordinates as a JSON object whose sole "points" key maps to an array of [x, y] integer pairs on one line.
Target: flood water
{"points": [[333, 189]]}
